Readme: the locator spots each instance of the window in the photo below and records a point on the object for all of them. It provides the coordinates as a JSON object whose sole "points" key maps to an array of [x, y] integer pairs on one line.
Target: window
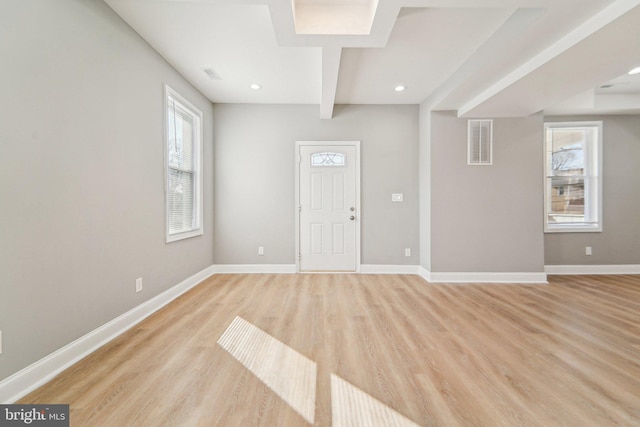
{"points": [[327, 159], [183, 155], [573, 177], [479, 142]]}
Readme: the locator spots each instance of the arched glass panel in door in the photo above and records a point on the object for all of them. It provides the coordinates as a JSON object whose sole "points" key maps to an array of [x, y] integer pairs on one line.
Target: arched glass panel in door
{"points": [[329, 159]]}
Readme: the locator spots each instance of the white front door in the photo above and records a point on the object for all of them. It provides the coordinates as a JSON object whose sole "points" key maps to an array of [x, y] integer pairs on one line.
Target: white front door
{"points": [[328, 206]]}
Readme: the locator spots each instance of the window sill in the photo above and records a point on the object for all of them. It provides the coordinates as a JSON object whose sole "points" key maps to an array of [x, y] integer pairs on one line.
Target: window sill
{"points": [[182, 236], [573, 229]]}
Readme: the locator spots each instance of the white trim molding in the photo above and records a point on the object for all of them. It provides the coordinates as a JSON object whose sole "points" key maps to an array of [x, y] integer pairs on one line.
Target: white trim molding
{"points": [[482, 277], [593, 269], [389, 269], [424, 273], [255, 268], [42, 371], [291, 269]]}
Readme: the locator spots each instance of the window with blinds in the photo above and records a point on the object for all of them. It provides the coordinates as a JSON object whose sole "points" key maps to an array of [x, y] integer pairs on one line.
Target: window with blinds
{"points": [[479, 142], [183, 153]]}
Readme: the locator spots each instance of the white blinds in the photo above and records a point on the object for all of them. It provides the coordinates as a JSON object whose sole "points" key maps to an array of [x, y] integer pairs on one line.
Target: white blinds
{"points": [[181, 196]]}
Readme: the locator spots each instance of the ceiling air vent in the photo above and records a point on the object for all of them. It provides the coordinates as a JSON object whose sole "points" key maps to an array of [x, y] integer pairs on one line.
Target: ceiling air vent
{"points": [[479, 142], [211, 73]]}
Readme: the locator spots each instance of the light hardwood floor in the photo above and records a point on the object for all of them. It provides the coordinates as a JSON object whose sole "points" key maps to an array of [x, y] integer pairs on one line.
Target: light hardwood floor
{"points": [[563, 354]]}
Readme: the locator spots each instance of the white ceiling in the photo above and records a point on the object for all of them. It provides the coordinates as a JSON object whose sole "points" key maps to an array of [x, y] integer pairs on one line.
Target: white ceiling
{"points": [[483, 58]]}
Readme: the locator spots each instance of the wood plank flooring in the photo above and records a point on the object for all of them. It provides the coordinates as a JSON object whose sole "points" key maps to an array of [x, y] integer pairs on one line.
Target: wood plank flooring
{"points": [[563, 354]]}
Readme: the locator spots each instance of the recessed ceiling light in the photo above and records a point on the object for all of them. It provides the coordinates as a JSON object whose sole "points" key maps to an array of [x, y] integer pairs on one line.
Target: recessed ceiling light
{"points": [[255, 86], [635, 71], [399, 88]]}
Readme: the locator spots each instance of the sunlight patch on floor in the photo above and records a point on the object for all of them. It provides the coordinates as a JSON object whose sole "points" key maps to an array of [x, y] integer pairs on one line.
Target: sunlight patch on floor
{"points": [[292, 377], [285, 371], [352, 407]]}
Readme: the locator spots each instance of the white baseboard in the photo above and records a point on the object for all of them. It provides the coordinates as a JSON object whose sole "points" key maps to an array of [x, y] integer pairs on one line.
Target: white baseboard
{"points": [[254, 268], [424, 273], [389, 269], [40, 372], [481, 277], [593, 269], [291, 269]]}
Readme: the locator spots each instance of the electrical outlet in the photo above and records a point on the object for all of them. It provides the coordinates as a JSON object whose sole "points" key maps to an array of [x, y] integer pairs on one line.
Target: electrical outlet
{"points": [[260, 250], [587, 250], [407, 251], [138, 284]]}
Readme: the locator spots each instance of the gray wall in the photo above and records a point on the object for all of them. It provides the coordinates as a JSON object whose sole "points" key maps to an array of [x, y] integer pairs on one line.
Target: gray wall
{"points": [[81, 175], [487, 218], [255, 178], [619, 241]]}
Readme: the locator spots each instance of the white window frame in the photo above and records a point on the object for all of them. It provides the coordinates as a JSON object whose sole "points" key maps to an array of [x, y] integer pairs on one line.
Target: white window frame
{"points": [[592, 181], [197, 227]]}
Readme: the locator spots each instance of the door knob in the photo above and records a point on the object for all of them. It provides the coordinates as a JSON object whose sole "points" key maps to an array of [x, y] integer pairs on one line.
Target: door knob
{"points": [[352, 218]]}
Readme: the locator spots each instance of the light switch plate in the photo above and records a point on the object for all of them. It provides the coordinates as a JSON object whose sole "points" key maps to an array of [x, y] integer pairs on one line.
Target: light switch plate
{"points": [[397, 197]]}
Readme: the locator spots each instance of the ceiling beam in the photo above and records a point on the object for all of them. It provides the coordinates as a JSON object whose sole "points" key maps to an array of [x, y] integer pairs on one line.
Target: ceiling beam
{"points": [[330, 69], [519, 21], [571, 52]]}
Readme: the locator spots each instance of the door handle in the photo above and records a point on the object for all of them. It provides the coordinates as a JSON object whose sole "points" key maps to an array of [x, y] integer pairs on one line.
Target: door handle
{"points": [[352, 218]]}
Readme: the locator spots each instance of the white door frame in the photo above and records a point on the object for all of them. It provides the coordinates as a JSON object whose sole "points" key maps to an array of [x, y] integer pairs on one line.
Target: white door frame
{"points": [[358, 215]]}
